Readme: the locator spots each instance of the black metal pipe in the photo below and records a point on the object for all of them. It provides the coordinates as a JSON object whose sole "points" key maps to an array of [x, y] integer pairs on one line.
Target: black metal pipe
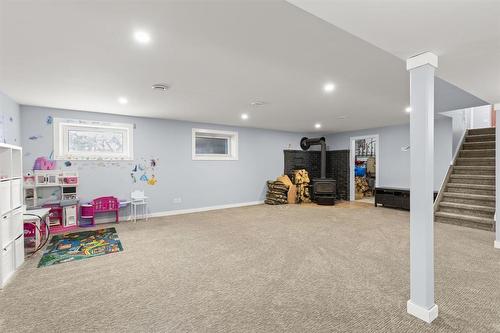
{"points": [[306, 143]]}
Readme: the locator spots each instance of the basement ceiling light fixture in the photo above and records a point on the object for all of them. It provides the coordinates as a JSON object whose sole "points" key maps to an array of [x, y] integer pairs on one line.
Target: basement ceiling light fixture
{"points": [[142, 37], [160, 87], [329, 87], [317, 125], [244, 116], [408, 109], [122, 100]]}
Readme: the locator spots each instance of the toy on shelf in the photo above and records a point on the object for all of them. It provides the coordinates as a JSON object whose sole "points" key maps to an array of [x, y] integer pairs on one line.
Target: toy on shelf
{"points": [[57, 190], [99, 205]]}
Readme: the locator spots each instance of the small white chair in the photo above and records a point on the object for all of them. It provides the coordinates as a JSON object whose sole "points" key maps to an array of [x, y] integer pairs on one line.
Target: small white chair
{"points": [[138, 199]]}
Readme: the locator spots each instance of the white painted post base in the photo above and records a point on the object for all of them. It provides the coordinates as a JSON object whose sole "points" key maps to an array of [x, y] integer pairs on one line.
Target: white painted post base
{"points": [[497, 244], [427, 315]]}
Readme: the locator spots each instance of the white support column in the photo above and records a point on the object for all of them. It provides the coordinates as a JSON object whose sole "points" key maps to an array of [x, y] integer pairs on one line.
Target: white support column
{"points": [[497, 179], [421, 303]]}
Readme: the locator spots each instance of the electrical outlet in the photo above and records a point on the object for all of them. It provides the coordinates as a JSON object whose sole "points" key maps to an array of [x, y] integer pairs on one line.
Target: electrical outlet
{"points": [[177, 200]]}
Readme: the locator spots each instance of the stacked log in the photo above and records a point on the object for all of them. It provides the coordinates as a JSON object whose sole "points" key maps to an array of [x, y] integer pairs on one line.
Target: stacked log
{"points": [[301, 180], [361, 187], [277, 193]]}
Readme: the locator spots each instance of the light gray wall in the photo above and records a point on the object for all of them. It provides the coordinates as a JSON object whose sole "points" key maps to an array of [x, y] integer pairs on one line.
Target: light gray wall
{"points": [[198, 183], [10, 123], [394, 164], [461, 120]]}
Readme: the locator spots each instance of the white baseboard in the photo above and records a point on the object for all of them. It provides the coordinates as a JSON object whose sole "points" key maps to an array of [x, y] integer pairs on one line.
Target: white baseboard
{"points": [[497, 244], [427, 315], [204, 209], [124, 218]]}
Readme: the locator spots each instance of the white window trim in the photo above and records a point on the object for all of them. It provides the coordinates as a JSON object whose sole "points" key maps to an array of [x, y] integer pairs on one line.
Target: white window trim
{"points": [[61, 127], [233, 145]]}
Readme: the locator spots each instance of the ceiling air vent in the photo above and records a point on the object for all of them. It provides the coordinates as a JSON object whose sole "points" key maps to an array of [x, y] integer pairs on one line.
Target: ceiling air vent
{"points": [[160, 87]]}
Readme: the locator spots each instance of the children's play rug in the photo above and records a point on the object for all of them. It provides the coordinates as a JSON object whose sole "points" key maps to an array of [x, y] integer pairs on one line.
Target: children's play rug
{"points": [[80, 245]]}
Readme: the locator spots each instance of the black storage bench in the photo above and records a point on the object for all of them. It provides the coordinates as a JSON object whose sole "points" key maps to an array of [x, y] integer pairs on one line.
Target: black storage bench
{"points": [[394, 197]]}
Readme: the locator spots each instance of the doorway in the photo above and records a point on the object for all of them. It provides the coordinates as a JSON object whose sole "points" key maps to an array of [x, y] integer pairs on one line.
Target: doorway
{"points": [[364, 168]]}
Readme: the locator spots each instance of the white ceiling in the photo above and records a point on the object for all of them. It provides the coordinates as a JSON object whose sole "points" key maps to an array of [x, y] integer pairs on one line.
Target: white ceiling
{"points": [[465, 34], [217, 56]]}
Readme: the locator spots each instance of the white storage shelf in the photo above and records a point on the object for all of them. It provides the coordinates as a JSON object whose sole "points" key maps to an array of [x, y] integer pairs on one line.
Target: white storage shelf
{"points": [[11, 211]]}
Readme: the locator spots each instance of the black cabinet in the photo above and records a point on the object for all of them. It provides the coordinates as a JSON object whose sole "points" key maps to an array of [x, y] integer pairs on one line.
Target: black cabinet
{"points": [[394, 197]]}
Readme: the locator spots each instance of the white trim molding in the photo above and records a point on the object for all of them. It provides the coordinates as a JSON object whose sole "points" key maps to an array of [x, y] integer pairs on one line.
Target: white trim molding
{"points": [[497, 244], [427, 315], [204, 209], [126, 218], [426, 58]]}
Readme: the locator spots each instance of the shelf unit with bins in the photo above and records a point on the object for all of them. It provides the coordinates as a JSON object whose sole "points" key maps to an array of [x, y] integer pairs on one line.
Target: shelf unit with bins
{"points": [[62, 186], [11, 211]]}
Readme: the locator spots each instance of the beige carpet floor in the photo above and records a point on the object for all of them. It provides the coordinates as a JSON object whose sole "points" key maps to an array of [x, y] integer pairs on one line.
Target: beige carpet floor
{"points": [[261, 269]]}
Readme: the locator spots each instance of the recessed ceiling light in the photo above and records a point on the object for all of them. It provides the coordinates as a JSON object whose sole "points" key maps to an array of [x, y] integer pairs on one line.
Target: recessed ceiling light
{"points": [[408, 109], [160, 87], [244, 116], [122, 100], [329, 87], [317, 125], [142, 37]]}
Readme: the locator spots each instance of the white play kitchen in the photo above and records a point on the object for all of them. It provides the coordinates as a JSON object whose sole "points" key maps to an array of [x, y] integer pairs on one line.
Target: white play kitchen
{"points": [[11, 211]]}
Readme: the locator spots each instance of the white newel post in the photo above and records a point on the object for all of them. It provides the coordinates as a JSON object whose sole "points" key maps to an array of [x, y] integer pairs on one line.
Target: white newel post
{"points": [[421, 303], [497, 178]]}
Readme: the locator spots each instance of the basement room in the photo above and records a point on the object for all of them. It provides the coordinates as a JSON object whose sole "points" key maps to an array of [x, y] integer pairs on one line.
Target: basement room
{"points": [[249, 166]]}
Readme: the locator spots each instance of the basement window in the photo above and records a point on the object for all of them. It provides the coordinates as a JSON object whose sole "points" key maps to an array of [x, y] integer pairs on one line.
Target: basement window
{"points": [[214, 145], [92, 140]]}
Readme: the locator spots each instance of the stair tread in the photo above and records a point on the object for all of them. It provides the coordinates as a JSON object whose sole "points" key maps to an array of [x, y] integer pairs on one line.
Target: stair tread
{"points": [[467, 206], [482, 220], [474, 167], [476, 158], [478, 142], [477, 135], [459, 175], [470, 196], [485, 149], [472, 186]]}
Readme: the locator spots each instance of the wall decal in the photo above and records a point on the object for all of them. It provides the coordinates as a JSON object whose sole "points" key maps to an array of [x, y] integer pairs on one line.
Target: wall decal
{"points": [[35, 137], [152, 180], [146, 169]]}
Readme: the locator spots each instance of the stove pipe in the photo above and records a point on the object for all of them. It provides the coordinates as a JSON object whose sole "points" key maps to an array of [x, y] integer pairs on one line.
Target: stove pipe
{"points": [[306, 143]]}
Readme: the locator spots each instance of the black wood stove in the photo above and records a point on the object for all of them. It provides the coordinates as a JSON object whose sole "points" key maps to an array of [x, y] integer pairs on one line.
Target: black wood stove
{"points": [[324, 189]]}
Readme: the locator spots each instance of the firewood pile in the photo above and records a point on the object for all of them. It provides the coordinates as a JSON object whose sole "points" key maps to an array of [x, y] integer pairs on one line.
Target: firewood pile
{"points": [[283, 190], [361, 186], [301, 180], [277, 193]]}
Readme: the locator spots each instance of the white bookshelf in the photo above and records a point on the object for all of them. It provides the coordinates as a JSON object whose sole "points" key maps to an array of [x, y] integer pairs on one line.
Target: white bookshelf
{"points": [[11, 211]]}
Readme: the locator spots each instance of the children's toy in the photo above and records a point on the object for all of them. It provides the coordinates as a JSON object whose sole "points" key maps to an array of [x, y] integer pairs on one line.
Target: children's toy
{"points": [[57, 190], [100, 205], [42, 163], [138, 199]]}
